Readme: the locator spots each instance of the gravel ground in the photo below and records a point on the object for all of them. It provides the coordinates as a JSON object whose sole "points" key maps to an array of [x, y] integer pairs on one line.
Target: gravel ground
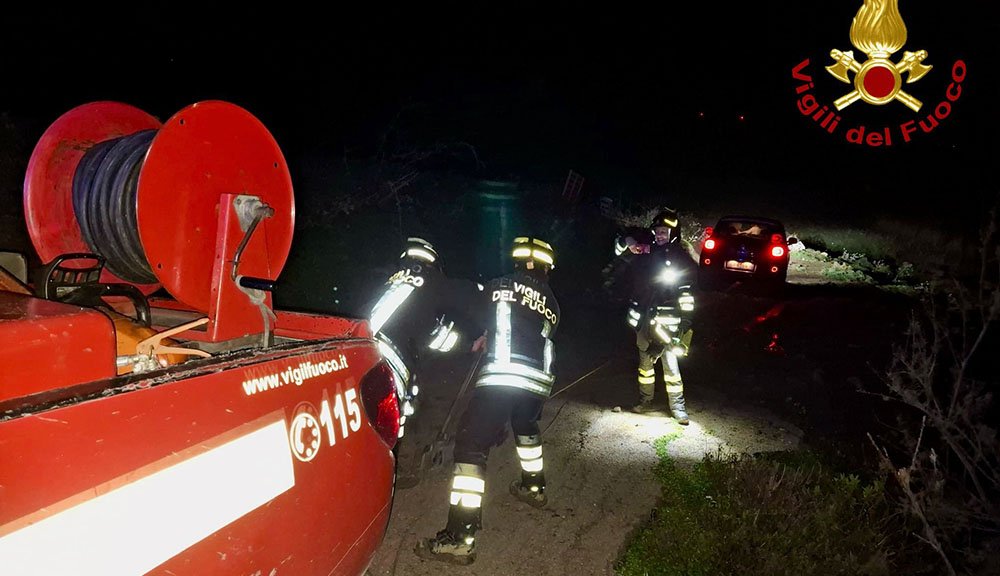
{"points": [[599, 464], [747, 392]]}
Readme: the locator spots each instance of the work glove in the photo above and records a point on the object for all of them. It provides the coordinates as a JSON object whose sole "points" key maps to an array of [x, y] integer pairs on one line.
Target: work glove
{"points": [[682, 344]]}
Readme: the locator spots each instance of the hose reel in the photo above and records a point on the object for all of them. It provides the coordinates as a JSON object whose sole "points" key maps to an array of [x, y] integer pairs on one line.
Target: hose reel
{"points": [[158, 202], [105, 185]]}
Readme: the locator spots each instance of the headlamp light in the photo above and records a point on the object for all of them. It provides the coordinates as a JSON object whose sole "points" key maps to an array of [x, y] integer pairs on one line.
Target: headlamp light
{"points": [[669, 275]]}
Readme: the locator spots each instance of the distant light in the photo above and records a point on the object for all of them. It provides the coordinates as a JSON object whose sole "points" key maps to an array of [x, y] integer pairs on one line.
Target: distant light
{"points": [[741, 117], [701, 114]]}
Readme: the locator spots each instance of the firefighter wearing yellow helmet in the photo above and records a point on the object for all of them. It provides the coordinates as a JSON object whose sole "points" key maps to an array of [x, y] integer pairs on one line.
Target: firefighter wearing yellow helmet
{"points": [[658, 285], [511, 386]]}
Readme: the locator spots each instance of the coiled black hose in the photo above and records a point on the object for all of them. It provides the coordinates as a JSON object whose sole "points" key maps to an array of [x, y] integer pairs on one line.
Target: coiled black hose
{"points": [[105, 187]]}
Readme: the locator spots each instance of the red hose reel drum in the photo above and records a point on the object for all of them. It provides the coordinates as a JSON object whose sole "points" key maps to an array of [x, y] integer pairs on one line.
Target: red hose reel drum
{"points": [[206, 150]]}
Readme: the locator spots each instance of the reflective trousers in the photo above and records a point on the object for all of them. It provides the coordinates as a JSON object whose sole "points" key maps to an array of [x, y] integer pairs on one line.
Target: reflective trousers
{"points": [[483, 426], [649, 353]]}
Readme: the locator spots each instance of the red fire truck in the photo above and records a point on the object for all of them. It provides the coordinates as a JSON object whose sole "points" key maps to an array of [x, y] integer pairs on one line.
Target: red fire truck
{"points": [[157, 414]]}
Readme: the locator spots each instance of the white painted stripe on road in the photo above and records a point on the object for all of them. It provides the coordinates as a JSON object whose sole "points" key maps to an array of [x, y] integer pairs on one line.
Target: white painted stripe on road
{"points": [[137, 527]]}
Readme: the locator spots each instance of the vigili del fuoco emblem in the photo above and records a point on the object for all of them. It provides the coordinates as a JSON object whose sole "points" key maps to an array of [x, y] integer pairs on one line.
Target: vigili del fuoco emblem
{"points": [[878, 31]]}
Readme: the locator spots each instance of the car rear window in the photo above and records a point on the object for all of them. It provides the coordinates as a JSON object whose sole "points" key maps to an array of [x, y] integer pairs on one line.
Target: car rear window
{"points": [[745, 228]]}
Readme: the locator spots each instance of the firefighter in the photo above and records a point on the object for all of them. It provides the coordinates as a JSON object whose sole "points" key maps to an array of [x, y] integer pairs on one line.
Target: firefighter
{"points": [[662, 305], [420, 311], [628, 245], [511, 386]]}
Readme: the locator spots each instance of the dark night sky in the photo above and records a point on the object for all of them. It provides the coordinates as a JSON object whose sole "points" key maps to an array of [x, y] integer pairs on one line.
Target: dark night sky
{"points": [[652, 97]]}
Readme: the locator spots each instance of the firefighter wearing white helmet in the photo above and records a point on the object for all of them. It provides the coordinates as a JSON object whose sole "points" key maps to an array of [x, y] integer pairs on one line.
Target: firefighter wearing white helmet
{"points": [[420, 311], [511, 387]]}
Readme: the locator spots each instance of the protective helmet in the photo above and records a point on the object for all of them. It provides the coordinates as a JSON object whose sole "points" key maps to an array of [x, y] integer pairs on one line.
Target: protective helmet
{"points": [[421, 251], [527, 249], [667, 218]]}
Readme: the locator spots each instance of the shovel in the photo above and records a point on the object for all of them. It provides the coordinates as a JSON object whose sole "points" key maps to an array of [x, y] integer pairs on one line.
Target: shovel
{"points": [[433, 454]]}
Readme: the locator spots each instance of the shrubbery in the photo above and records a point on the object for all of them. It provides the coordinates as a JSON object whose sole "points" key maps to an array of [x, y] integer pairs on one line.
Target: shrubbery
{"points": [[945, 463], [767, 516]]}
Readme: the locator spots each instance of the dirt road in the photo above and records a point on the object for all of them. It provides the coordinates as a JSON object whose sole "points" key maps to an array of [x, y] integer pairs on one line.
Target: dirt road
{"points": [[598, 460], [765, 373]]}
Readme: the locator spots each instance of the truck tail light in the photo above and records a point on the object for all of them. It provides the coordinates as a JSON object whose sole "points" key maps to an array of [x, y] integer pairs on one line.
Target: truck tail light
{"points": [[378, 394]]}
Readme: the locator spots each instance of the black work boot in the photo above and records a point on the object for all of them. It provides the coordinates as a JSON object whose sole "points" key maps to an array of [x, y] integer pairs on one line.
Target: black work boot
{"points": [[448, 547], [456, 544], [530, 489]]}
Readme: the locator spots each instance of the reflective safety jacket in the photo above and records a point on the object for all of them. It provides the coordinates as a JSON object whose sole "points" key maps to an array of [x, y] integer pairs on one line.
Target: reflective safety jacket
{"points": [[421, 310], [523, 315], [662, 311]]}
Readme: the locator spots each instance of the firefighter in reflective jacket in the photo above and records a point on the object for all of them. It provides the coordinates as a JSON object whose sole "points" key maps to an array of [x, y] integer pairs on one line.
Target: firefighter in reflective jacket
{"points": [[420, 311], [661, 311], [511, 386]]}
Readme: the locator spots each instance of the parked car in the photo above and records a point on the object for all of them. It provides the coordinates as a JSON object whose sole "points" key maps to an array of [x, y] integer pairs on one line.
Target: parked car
{"points": [[748, 249]]}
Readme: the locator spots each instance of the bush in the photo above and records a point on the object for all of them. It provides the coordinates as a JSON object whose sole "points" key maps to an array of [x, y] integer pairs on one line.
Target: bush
{"points": [[945, 372], [848, 241], [905, 274], [745, 515], [841, 272]]}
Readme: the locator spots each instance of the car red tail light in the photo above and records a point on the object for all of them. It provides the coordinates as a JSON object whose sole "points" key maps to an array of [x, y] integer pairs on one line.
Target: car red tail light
{"points": [[777, 245], [378, 394], [710, 244], [708, 231]]}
